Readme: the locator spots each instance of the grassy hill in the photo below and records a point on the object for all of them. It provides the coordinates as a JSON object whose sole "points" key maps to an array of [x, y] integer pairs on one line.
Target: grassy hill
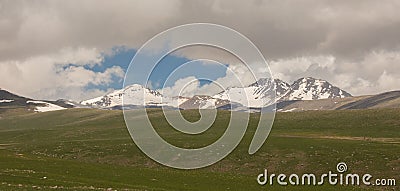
{"points": [[89, 149]]}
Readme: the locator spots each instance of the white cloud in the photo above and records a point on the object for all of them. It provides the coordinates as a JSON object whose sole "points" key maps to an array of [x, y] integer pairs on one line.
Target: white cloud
{"points": [[237, 75], [377, 72], [353, 44], [293, 68], [388, 82], [183, 87], [53, 76]]}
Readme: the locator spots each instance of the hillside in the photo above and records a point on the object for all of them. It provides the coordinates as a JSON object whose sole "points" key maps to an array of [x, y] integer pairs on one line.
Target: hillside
{"points": [[90, 149], [313, 89], [383, 100]]}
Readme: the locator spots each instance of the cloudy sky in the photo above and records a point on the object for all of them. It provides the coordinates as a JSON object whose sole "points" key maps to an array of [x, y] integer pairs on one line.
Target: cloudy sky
{"points": [[81, 49]]}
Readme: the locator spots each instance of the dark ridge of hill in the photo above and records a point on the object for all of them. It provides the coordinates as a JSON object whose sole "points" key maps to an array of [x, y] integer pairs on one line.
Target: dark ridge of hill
{"points": [[283, 104], [7, 98], [383, 100], [12, 104], [387, 99], [322, 104], [64, 103]]}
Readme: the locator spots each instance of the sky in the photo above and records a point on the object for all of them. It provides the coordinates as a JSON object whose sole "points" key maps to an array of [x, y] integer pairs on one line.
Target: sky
{"points": [[81, 49]]}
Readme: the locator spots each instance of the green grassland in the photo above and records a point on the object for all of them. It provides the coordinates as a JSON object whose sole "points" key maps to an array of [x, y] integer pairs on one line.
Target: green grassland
{"points": [[89, 149]]}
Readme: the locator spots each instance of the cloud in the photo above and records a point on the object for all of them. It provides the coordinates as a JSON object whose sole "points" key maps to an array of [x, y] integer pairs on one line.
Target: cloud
{"points": [[291, 69], [376, 72], [65, 74], [237, 75], [279, 28], [31, 28], [354, 44], [183, 87], [190, 86]]}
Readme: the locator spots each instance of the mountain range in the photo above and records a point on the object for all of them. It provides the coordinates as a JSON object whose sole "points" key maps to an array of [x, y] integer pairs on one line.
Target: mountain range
{"points": [[303, 94], [256, 95]]}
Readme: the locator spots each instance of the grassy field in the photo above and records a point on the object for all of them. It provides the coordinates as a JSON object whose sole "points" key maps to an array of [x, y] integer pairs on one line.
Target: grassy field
{"points": [[88, 149]]}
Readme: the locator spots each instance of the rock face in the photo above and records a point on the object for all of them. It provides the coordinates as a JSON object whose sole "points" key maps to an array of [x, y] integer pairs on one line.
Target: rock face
{"points": [[260, 93], [281, 87], [8, 98], [203, 102]]}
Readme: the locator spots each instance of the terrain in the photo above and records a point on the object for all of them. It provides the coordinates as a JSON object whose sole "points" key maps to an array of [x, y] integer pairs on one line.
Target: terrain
{"points": [[91, 149], [303, 94]]}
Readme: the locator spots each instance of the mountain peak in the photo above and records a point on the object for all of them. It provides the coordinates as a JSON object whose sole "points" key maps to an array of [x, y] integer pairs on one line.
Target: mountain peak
{"points": [[261, 82], [311, 79], [134, 94], [134, 86], [310, 88]]}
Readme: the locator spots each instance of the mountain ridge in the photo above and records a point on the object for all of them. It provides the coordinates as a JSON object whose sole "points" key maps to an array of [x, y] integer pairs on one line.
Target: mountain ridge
{"points": [[256, 95], [391, 99], [309, 88]]}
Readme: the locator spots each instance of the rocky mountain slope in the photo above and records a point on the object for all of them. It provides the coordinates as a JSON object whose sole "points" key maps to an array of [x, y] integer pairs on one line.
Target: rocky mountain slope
{"points": [[203, 102], [259, 94], [313, 89]]}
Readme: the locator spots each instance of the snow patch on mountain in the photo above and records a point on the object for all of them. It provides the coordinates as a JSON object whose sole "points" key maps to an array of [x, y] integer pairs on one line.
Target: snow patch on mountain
{"points": [[6, 100], [42, 106]]}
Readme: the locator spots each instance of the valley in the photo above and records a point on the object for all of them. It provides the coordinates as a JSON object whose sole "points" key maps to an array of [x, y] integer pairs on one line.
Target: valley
{"points": [[90, 149]]}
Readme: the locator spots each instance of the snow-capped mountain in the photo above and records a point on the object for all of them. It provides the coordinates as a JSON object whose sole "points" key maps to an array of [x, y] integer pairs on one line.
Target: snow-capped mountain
{"points": [[132, 94], [259, 94], [313, 89], [281, 87]]}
